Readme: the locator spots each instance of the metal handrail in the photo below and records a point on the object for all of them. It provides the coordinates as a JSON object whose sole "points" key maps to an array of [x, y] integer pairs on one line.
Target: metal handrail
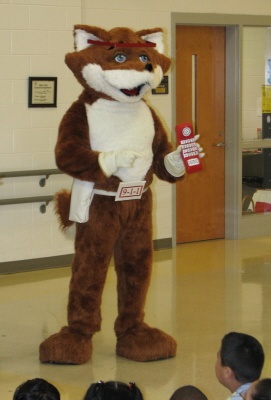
{"points": [[36, 172], [32, 199], [21, 200], [35, 199]]}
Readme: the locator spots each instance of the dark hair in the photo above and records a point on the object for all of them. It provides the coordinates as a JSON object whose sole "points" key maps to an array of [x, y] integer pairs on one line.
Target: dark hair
{"points": [[244, 355], [188, 392], [262, 390], [36, 389], [113, 390]]}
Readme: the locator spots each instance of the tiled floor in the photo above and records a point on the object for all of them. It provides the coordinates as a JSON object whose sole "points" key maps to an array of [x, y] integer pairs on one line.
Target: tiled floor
{"points": [[198, 293]]}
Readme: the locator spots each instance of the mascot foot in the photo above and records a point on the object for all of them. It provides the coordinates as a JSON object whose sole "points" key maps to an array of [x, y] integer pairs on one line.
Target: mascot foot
{"points": [[142, 343], [66, 347]]}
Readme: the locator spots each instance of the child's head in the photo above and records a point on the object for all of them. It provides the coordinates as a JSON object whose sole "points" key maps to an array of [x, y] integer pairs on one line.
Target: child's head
{"points": [[188, 392], [36, 388], [113, 390], [259, 390], [240, 360]]}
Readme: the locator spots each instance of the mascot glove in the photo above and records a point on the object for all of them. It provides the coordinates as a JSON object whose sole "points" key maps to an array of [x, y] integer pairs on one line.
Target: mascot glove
{"points": [[112, 160], [174, 163]]}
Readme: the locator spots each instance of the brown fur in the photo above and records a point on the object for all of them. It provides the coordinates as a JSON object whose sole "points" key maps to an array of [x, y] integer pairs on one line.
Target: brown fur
{"points": [[120, 229], [62, 202]]}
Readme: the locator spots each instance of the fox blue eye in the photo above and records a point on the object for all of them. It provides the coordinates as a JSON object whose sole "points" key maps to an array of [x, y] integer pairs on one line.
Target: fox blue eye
{"points": [[144, 58], [120, 58]]}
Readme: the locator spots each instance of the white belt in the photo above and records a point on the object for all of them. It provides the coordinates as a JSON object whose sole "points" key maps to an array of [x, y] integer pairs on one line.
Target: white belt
{"points": [[104, 192], [107, 193]]}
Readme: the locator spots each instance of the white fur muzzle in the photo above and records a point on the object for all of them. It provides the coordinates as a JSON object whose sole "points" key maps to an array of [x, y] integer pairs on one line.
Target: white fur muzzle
{"points": [[111, 82]]}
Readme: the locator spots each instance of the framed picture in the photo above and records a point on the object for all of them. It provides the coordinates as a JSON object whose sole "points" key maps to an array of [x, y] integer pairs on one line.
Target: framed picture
{"points": [[163, 87], [42, 92]]}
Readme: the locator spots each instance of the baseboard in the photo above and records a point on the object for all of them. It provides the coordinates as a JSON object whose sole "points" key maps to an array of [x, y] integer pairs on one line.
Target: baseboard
{"points": [[35, 264], [160, 244]]}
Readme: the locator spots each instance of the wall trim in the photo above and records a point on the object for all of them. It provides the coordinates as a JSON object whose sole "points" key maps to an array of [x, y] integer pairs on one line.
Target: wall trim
{"points": [[36, 264], [160, 244]]}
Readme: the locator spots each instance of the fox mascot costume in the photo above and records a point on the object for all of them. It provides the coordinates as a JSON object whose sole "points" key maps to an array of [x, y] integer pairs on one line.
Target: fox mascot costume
{"points": [[110, 137]]}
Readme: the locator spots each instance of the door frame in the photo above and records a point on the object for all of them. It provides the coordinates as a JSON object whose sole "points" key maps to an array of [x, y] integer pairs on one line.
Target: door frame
{"points": [[236, 225]]}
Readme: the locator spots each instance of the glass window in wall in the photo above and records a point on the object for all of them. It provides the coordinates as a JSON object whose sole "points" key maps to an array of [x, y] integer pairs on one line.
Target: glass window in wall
{"points": [[256, 120], [256, 180]]}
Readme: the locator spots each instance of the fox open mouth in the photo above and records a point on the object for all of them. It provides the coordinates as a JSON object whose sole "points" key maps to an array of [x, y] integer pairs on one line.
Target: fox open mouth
{"points": [[132, 92]]}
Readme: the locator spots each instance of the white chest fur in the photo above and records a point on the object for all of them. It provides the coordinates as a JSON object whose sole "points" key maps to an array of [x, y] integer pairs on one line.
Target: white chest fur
{"points": [[122, 126]]}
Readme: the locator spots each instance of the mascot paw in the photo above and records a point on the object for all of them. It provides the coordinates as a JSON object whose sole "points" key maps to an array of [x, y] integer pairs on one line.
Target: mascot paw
{"points": [[66, 347], [142, 343]]}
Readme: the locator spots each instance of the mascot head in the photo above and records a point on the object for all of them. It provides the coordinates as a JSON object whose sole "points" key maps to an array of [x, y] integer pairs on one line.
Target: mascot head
{"points": [[119, 64]]}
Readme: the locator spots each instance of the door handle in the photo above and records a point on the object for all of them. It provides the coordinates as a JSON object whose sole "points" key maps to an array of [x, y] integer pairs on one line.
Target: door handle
{"points": [[220, 144]]}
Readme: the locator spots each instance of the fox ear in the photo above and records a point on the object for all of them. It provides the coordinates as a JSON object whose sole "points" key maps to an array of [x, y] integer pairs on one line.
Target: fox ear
{"points": [[81, 39], [82, 33], [153, 36]]}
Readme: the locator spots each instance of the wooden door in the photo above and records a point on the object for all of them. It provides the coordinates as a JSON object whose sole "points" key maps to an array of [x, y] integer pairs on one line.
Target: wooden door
{"points": [[200, 88]]}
